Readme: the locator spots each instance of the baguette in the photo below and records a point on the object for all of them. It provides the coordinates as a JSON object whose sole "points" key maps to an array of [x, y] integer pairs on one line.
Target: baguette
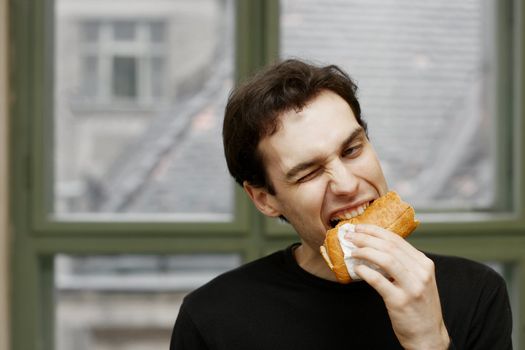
{"points": [[388, 212]]}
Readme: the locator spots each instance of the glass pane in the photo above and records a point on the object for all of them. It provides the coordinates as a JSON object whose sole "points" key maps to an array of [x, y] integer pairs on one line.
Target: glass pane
{"points": [[424, 74], [157, 76], [124, 30], [126, 302], [157, 31], [90, 71], [138, 122], [124, 77], [90, 31]]}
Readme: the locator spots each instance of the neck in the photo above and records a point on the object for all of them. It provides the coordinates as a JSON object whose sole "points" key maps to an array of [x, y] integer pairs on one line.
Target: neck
{"points": [[312, 262]]}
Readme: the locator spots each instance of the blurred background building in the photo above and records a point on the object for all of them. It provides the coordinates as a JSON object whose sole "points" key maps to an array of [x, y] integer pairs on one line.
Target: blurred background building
{"points": [[134, 135], [139, 94], [140, 89]]}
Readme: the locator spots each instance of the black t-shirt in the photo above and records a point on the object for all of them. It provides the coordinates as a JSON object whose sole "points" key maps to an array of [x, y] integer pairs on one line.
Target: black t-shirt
{"points": [[272, 303]]}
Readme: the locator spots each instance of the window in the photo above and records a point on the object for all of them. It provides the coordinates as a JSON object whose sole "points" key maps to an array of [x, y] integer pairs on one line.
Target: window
{"points": [[122, 62], [424, 72], [126, 301], [141, 134], [119, 183]]}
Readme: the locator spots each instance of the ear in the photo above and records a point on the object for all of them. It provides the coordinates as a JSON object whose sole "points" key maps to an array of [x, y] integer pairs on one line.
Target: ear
{"points": [[263, 200]]}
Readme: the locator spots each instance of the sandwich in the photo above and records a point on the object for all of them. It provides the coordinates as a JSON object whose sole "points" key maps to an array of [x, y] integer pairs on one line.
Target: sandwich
{"points": [[388, 212]]}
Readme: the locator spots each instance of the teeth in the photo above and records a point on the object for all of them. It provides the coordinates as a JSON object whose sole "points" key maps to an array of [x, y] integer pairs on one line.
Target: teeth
{"points": [[350, 214]]}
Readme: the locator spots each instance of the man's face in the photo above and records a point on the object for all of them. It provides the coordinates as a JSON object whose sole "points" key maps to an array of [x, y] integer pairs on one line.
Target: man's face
{"points": [[322, 167]]}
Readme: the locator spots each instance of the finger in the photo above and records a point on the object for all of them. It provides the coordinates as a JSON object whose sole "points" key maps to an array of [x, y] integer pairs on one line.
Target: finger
{"points": [[384, 243], [406, 271], [401, 272], [379, 232], [383, 234], [380, 283], [392, 253]]}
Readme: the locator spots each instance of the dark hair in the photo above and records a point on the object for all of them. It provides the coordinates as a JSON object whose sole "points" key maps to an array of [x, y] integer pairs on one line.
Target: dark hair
{"points": [[254, 107]]}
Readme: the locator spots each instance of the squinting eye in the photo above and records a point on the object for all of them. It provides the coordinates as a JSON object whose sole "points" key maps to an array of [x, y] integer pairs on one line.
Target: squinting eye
{"points": [[309, 176]]}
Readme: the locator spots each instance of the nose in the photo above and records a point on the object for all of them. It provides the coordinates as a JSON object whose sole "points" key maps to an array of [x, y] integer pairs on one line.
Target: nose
{"points": [[343, 181]]}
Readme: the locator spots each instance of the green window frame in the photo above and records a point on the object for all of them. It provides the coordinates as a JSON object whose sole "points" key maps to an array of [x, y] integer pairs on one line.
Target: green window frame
{"points": [[37, 237]]}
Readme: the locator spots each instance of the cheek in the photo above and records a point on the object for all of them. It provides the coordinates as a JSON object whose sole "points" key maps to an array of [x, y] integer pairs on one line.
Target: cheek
{"points": [[370, 170], [310, 196], [378, 178]]}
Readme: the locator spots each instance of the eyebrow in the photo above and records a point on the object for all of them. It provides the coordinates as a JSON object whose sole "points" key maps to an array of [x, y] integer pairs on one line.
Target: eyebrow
{"points": [[292, 173]]}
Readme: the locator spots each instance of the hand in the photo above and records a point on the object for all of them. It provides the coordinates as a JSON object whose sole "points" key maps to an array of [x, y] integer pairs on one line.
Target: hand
{"points": [[409, 291]]}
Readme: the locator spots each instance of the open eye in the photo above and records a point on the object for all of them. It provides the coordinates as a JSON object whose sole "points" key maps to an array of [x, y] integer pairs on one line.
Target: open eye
{"points": [[352, 151]]}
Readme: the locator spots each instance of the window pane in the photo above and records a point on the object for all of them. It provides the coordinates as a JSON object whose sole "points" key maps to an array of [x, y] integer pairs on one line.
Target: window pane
{"points": [[138, 115], [124, 77], [424, 74], [157, 31], [90, 31], [90, 71], [124, 30], [158, 68], [126, 302]]}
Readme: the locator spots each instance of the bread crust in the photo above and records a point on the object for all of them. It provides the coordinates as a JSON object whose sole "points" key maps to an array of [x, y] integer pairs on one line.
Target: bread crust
{"points": [[336, 257], [388, 212]]}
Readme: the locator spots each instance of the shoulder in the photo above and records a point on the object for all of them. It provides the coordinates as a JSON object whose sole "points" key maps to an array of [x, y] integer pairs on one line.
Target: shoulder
{"points": [[465, 273], [459, 265], [475, 303]]}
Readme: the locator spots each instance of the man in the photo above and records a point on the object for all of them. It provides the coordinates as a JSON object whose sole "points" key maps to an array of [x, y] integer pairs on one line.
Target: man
{"points": [[294, 139]]}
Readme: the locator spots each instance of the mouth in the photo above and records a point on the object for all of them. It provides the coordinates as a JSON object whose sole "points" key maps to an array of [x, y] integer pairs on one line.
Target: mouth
{"points": [[347, 214]]}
